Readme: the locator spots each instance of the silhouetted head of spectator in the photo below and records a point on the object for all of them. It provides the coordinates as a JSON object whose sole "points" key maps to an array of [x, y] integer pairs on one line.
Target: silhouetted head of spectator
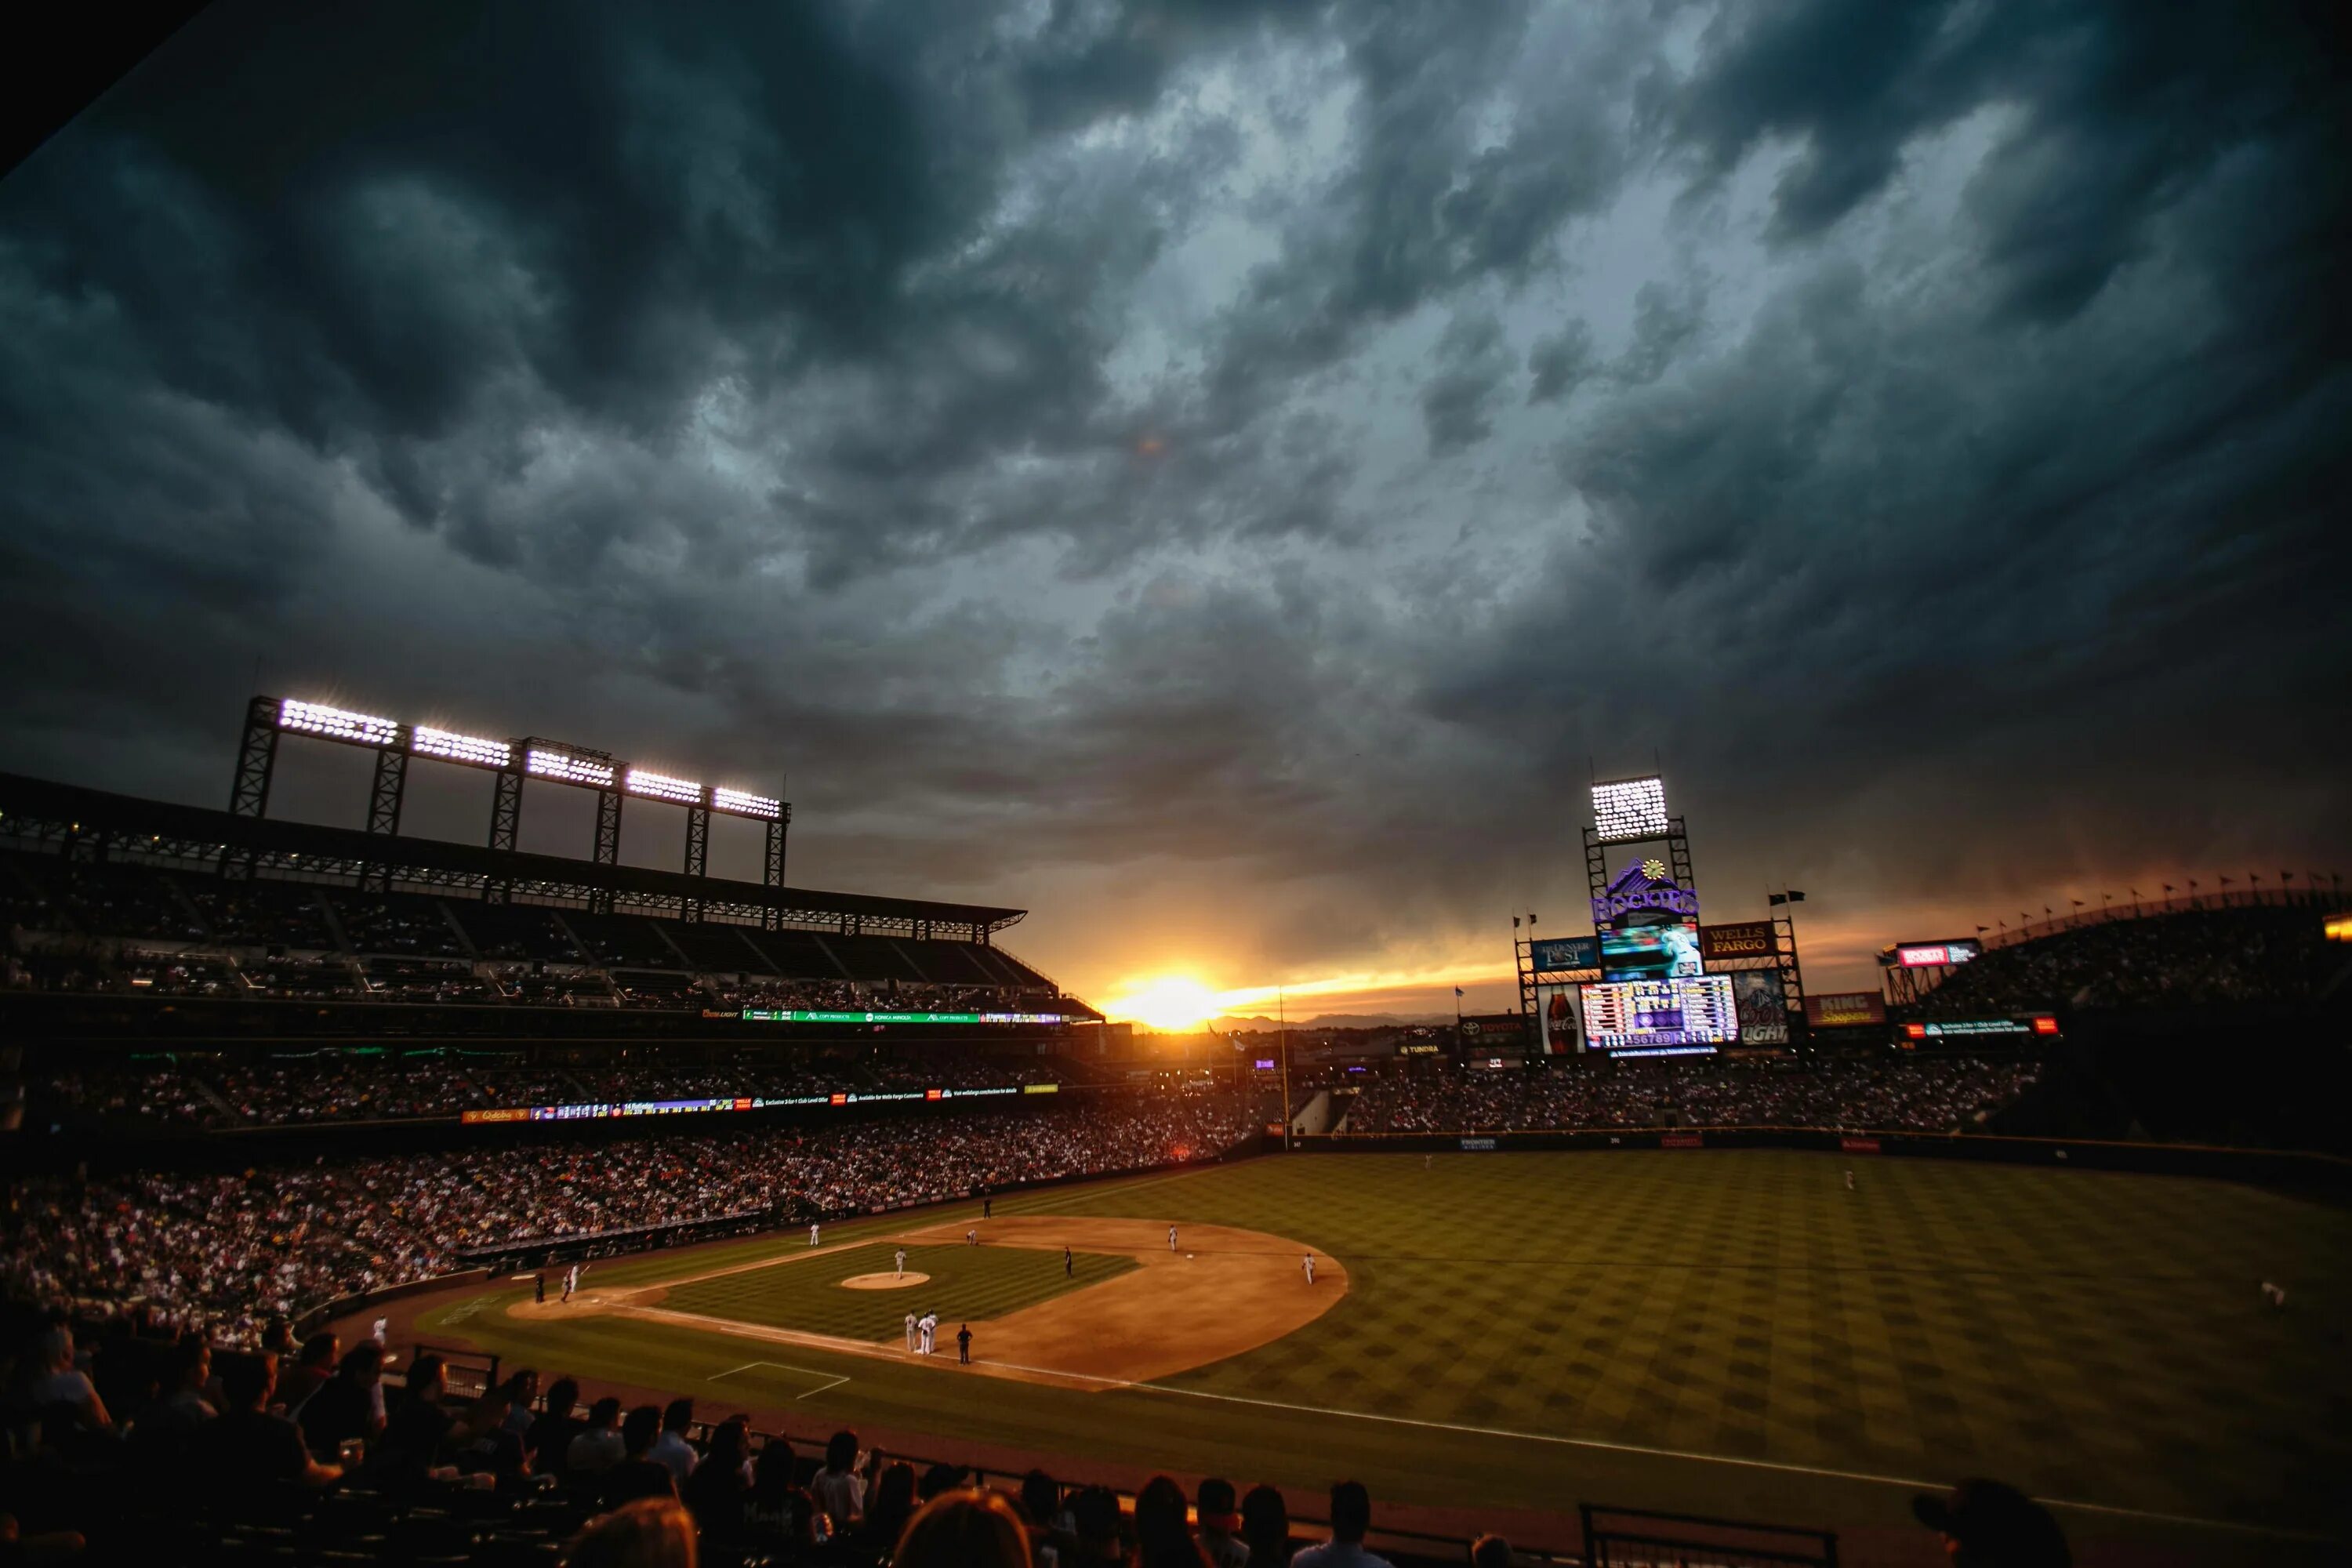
{"points": [[562, 1395], [1162, 1537], [1990, 1524], [319, 1351], [1352, 1511], [964, 1529], [278, 1338], [639, 1432], [428, 1378], [1266, 1525], [604, 1414], [730, 1444], [1094, 1517], [651, 1532], [677, 1415], [363, 1363], [247, 1380], [1490, 1552], [841, 1451], [1040, 1498], [192, 1365], [939, 1478]]}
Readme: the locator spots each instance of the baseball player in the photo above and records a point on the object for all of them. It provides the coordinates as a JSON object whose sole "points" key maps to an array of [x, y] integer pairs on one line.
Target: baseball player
{"points": [[813, 1228], [963, 1344], [383, 1328], [1171, 1238], [1849, 1180], [902, 1274], [571, 1280], [1066, 1265], [1308, 1263], [971, 1239], [911, 1333], [930, 1327], [2275, 1294]]}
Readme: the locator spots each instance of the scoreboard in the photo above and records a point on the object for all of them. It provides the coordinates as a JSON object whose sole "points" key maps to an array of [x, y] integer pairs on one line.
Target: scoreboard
{"points": [[1680, 1017]]}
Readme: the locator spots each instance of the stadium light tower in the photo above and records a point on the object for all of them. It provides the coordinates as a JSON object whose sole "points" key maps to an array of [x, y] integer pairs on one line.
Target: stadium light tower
{"points": [[512, 761]]}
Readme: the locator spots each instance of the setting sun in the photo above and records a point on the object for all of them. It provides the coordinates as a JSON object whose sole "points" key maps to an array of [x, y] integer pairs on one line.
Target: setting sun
{"points": [[1168, 1003]]}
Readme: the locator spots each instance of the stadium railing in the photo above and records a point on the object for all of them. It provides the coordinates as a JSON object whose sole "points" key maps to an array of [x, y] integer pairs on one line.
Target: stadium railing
{"points": [[1640, 1538]]}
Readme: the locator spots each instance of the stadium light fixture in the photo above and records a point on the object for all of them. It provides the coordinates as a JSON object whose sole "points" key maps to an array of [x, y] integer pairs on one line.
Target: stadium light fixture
{"points": [[1626, 811], [565, 768], [453, 747], [661, 786], [738, 803], [336, 723]]}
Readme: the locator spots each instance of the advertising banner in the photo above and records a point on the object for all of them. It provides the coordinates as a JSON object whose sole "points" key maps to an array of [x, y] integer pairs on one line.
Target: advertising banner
{"points": [[1935, 954], [1644, 885], [1559, 1016], [1763, 1007], [1496, 1031], [1683, 1141], [1845, 1009], [1744, 939], [1859, 1145], [1564, 955]]}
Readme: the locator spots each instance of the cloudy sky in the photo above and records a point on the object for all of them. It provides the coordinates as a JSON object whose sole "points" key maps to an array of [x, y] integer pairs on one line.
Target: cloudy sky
{"points": [[1225, 476]]}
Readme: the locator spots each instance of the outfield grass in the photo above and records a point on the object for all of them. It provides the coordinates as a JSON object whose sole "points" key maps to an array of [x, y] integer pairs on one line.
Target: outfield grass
{"points": [[1727, 1331], [966, 1284]]}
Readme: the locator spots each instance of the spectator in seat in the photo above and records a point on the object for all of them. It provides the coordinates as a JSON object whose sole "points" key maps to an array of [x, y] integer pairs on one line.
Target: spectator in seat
{"points": [[648, 1532], [963, 1529], [1049, 1534], [839, 1491], [1266, 1527], [888, 1511], [549, 1437], [420, 1427], [638, 1474], [1162, 1540], [778, 1515], [1094, 1526], [1219, 1523], [521, 1391], [61, 1381], [941, 1478], [715, 1493], [597, 1448], [311, 1371], [671, 1450], [1990, 1524], [246, 1449], [348, 1404], [1351, 1516], [1490, 1552]]}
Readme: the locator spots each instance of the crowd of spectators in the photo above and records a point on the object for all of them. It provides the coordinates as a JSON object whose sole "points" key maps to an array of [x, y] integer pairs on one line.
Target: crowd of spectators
{"points": [[1938, 1094], [235, 1250], [2256, 954], [209, 1090], [154, 1447]]}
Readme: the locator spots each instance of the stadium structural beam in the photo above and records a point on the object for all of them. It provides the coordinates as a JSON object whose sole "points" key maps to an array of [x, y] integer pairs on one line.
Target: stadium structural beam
{"points": [[1678, 856], [608, 843], [771, 867], [697, 850], [257, 760], [506, 823], [1596, 872], [385, 799], [1792, 974]]}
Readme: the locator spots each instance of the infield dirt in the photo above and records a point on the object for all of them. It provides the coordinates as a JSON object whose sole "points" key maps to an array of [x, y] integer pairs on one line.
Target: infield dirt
{"points": [[1224, 1291]]}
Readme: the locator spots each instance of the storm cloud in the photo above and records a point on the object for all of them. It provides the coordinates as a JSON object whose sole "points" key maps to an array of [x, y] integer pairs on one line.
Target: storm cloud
{"points": [[1227, 475]]}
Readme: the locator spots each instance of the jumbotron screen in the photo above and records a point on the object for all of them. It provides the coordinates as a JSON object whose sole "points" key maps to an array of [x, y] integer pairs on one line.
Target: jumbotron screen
{"points": [[1679, 1017]]}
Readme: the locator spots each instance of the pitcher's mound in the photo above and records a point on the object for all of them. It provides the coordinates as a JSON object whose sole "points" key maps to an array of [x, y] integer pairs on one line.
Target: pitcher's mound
{"points": [[884, 1281]]}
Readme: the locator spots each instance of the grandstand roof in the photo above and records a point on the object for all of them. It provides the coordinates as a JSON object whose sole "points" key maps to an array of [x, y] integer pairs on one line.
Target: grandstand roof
{"points": [[154, 829]]}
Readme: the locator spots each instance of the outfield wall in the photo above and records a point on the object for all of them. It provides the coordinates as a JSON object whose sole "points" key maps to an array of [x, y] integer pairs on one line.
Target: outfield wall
{"points": [[2269, 1167]]}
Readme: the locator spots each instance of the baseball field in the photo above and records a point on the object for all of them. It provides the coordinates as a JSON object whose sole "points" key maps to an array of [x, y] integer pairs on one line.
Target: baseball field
{"points": [[1731, 1332]]}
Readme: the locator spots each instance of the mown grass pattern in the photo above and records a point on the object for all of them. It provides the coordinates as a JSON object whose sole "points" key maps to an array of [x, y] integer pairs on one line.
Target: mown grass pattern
{"points": [[967, 1284], [2088, 1335]]}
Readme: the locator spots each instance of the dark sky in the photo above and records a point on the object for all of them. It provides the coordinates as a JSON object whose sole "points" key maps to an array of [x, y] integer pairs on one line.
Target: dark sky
{"points": [[1222, 475]]}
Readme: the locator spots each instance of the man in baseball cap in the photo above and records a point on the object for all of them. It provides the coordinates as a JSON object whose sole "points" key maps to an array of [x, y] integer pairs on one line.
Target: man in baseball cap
{"points": [[1986, 1524]]}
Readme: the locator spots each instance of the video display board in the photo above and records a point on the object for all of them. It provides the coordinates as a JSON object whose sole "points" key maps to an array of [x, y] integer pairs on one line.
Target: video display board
{"points": [[1762, 1004], [1981, 1031], [1937, 954], [1651, 947], [1559, 1019], [1679, 1017], [1564, 955], [806, 1015]]}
